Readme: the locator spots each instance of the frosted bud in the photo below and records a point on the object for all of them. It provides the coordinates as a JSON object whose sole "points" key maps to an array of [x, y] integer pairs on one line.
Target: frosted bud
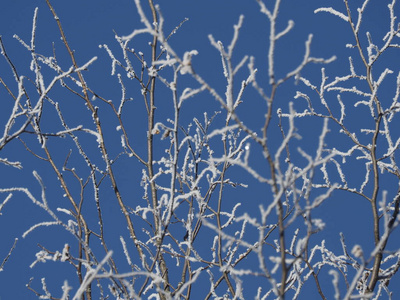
{"points": [[357, 251]]}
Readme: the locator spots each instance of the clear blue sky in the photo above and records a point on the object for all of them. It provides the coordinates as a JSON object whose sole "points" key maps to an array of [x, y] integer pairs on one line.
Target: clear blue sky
{"points": [[87, 25]]}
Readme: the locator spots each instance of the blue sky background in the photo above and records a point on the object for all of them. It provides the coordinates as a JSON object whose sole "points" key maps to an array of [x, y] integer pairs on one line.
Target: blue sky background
{"points": [[88, 24]]}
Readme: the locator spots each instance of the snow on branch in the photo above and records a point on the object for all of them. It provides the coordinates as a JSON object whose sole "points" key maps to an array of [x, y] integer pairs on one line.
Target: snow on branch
{"points": [[37, 225], [333, 12], [15, 164]]}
